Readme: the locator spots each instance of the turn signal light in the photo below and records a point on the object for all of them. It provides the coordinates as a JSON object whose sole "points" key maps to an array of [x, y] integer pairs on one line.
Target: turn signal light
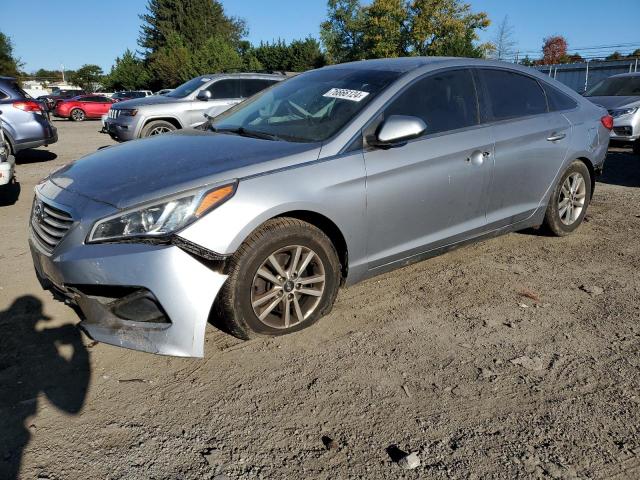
{"points": [[213, 198], [607, 122]]}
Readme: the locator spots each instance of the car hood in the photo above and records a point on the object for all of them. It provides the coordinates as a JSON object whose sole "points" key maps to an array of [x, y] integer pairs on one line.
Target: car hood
{"points": [[134, 172], [615, 102], [151, 100]]}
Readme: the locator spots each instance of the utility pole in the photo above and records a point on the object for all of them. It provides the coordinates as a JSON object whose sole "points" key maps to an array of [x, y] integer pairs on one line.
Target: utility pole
{"points": [[62, 67]]}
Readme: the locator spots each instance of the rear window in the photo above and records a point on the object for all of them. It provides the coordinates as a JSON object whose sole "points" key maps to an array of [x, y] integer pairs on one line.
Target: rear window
{"points": [[557, 100], [512, 95]]}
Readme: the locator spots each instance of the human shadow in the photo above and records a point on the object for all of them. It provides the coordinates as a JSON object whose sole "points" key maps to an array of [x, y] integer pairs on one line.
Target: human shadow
{"points": [[33, 361], [33, 155], [621, 168]]}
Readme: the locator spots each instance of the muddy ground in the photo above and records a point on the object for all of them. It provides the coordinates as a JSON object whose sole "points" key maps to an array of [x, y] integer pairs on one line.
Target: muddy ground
{"points": [[514, 358]]}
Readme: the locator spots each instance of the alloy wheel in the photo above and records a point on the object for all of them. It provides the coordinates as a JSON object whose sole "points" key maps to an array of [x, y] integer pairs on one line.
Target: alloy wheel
{"points": [[288, 287], [159, 131], [572, 198]]}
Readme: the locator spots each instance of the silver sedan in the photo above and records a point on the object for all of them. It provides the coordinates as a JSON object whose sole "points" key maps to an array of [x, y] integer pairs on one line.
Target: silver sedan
{"points": [[321, 181]]}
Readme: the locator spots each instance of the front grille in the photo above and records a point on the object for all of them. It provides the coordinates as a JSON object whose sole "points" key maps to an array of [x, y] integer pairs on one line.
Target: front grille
{"points": [[114, 113], [49, 224]]}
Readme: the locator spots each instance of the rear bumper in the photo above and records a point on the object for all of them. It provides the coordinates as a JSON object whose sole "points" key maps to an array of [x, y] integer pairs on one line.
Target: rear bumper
{"points": [[50, 138], [182, 288]]}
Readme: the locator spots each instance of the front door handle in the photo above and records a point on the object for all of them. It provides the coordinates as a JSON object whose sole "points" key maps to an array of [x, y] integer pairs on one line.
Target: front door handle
{"points": [[477, 157], [556, 136]]}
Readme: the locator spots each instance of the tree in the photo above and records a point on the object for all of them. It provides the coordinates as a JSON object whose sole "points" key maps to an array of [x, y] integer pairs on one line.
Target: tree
{"points": [[9, 65], [128, 73], [446, 27], [554, 50], [298, 56], [194, 20], [171, 64], [341, 33], [504, 42], [392, 28], [527, 62], [384, 29], [615, 56], [87, 77]]}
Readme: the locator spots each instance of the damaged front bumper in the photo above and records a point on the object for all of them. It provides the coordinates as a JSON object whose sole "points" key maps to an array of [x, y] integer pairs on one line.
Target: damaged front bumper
{"points": [[153, 298]]}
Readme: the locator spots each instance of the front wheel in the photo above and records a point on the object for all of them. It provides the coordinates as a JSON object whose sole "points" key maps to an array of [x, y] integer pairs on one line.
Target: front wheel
{"points": [[157, 127], [284, 278], [77, 115], [569, 201]]}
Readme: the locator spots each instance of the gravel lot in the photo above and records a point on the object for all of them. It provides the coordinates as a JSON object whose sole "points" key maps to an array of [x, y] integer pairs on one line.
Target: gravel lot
{"points": [[516, 357]]}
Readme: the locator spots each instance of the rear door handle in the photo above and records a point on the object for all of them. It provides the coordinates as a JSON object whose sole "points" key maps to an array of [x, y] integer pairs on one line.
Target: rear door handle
{"points": [[556, 136]]}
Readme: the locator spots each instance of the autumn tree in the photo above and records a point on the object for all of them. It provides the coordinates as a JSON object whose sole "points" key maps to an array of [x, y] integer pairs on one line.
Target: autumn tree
{"points": [[554, 50]]}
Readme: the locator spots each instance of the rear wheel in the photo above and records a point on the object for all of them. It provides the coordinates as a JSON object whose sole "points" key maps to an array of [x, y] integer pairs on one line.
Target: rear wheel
{"points": [[569, 201], [77, 115], [284, 278], [157, 127]]}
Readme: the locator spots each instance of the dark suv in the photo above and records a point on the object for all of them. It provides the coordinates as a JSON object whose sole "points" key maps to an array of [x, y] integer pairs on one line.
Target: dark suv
{"points": [[25, 123]]}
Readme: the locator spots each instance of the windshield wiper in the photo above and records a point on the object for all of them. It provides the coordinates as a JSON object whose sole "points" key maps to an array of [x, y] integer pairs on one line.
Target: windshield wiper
{"points": [[243, 132]]}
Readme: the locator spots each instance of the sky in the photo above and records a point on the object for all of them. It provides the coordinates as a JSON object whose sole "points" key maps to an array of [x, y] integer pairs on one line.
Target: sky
{"points": [[78, 32]]}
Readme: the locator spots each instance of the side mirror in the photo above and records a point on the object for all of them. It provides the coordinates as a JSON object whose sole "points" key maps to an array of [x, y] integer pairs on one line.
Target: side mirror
{"points": [[204, 95], [398, 129]]}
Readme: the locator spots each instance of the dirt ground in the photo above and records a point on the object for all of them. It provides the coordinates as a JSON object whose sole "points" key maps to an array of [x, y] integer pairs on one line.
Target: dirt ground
{"points": [[515, 358]]}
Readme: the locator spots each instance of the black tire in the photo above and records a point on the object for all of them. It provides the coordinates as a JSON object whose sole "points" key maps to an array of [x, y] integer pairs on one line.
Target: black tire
{"points": [[552, 220], [636, 147], [77, 115], [233, 307], [157, 127]]}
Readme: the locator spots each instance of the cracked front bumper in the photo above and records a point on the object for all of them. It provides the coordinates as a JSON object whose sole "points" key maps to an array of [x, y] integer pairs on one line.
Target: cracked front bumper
{"points": [[184, 287]]}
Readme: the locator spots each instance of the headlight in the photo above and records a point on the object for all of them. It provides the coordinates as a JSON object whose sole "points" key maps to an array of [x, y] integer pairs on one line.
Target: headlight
{"points": [[128, 112], [160, 218], [623, 111]]}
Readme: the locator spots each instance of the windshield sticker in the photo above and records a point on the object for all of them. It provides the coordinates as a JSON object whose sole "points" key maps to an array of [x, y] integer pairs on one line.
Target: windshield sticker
{"points": [[344, 94]]}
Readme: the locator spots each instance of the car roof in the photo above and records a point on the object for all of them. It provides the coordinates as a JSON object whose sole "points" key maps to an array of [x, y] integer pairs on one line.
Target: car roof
{"points": [[632, 74], [243, 74]]}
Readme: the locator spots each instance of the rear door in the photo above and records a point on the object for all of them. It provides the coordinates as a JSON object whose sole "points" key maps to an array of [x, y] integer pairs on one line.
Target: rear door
{"points": [[531, 143], [91, 106], [433, 190]]}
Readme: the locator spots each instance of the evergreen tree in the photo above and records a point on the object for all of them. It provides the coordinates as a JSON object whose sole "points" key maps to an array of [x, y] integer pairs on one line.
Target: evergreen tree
{"points": [[9, 65], [128, 73]]}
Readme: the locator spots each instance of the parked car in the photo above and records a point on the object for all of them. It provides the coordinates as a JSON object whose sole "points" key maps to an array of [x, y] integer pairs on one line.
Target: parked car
{"points": [[164, 91], [58, 96], [7, 161], [184, 106], [131, 94], [620, 95], [324, 180], [25, 123], [83, 107]]}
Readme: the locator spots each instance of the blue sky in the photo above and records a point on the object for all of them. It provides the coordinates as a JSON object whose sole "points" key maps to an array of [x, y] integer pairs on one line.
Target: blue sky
{"points": [[102, 30]]}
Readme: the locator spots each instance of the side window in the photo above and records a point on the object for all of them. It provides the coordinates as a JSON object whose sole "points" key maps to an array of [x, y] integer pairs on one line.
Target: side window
{"points": [[557, 100], [226, 89], [3, 95], [512, 95], [445, 101], [252, 86]]}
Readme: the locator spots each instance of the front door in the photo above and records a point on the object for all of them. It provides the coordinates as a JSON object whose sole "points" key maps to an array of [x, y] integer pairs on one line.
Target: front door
{"points": [[432, 191]]}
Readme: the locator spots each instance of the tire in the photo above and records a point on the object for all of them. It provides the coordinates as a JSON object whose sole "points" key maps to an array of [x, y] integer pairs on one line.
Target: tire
{"points": [[157, 127], [77, 115], [248, 293], [636, 147], [561, 221]]}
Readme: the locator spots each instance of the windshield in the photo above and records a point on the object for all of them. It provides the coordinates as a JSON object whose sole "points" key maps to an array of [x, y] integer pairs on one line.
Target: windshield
{"points": [[616, 87], [311, 107], [188, 88]]}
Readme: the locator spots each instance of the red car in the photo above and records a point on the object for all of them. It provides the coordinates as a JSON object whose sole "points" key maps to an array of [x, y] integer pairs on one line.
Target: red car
{"points": [[82, 107]]}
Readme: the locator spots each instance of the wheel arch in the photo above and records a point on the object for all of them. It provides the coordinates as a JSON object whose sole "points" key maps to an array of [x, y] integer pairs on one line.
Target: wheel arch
{"points": [[172, 120], [592, 171], [329, 228]]}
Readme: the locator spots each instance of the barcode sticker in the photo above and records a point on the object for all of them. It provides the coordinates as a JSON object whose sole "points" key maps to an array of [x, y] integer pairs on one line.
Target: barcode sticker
{"points": [[345, 94]]}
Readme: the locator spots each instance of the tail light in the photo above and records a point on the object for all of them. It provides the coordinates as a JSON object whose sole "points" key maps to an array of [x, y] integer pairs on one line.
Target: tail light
{"points": [[607, 122], [28, 106]]}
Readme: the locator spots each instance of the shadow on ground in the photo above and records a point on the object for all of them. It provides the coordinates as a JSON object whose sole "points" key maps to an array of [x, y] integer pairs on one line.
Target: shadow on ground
{"points": [[35, 361], [621, 168], [9, 194], [34, 156]]}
